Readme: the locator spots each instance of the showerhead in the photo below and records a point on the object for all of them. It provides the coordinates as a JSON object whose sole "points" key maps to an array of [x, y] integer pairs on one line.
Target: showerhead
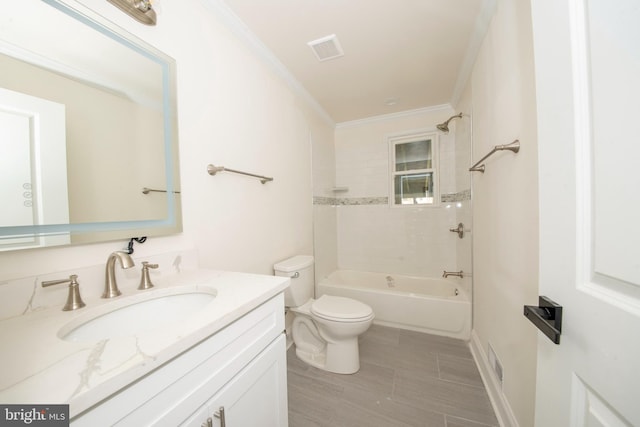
{"points": [[444, 127]]}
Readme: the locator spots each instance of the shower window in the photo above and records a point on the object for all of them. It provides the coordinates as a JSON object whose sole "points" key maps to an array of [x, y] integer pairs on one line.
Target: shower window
{"points": [[413, 170]]}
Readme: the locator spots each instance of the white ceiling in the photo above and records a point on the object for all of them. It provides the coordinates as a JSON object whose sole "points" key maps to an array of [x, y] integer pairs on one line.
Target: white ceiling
{"points": [[409, 53]]}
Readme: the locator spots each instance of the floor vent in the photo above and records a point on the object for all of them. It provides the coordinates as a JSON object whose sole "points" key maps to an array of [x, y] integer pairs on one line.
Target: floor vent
{"points": [[326, 48], [495, 364]]}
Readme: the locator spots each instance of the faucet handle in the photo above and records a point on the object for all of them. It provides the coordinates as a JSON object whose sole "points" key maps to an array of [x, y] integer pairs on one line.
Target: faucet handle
{"points": [[145, 280], [74, 300]]}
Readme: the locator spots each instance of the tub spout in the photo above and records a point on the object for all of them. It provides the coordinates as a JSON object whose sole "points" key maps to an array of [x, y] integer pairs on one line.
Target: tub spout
{"points": [[446, 274]]}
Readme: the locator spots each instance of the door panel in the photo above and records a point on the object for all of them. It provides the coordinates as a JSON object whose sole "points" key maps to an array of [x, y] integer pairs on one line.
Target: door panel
{"points": [[607, 68], [588, 409], [588, 125]]}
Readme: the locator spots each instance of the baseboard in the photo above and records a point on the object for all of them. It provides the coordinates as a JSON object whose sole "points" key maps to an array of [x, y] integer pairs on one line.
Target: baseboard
{"points": [[498, 400]]}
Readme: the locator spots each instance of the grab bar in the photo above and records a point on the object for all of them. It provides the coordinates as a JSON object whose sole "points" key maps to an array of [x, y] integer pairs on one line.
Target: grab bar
{"points": [[215, 169], [146, 190], [514, 146]]}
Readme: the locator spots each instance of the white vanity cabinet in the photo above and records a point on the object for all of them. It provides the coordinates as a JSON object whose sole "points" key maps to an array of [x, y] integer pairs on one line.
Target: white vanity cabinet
{"points": [[251, 398], [241, 368]]}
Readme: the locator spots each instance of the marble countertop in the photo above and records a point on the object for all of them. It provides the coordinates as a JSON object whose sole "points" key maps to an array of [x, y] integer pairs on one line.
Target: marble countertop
{"points": [[38, 367]]}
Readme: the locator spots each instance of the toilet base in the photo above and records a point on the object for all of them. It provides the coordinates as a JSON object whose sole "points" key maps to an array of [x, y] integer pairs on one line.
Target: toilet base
{"points": [[339, 358]]}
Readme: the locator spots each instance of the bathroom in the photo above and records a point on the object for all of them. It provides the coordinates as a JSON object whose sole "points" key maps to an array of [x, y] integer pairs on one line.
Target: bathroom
{"points": [[233, 101]]}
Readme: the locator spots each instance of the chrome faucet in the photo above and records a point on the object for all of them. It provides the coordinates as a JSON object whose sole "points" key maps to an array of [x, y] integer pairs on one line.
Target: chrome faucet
{"points": [[452, 273], [110, 286]]}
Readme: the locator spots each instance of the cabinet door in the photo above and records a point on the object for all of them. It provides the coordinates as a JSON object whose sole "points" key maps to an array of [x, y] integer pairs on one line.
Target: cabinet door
{"points": [[198, 419], [257, 396]]}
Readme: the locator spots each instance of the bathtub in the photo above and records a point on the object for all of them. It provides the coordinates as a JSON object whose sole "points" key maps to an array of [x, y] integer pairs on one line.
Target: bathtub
{"points": [[434, 306]]}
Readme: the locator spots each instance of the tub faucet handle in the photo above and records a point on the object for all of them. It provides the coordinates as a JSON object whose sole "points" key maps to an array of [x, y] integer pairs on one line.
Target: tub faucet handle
{"points": [[459, 230]]}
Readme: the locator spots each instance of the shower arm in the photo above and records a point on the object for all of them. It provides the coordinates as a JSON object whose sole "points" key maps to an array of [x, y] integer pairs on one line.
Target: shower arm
{"points": [[457, 116], [514, 146]]}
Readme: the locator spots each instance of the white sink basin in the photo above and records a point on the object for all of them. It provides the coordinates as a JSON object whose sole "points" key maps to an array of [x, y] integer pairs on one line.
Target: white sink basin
{"points": [[138, 313]]}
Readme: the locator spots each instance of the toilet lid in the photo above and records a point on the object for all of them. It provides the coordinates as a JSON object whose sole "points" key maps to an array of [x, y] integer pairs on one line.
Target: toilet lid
{"points": [[331, 307]]}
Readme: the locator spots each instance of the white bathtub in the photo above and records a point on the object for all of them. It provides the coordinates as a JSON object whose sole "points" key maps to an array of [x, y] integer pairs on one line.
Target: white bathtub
{"points": [[435, 306]]}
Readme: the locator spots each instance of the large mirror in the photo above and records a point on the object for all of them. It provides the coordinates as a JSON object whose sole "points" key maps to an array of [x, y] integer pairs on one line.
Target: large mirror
{"points": [[88, 128]]}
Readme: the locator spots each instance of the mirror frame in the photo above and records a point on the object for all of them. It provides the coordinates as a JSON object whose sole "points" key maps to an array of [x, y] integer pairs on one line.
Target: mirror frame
{"points": [[94, 232]]}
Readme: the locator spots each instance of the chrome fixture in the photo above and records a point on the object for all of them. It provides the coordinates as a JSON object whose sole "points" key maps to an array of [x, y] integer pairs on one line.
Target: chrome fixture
{"points": [[146, 190], [74, 301], [140, 10], [220, 415], [514, 146], [110, 286], [452, 273], [444, 127], [215, 169], [459, 230], [145, 280]]}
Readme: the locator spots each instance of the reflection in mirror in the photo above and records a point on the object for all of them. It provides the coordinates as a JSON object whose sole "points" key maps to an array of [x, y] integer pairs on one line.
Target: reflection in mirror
{"points": [[87, 119]]}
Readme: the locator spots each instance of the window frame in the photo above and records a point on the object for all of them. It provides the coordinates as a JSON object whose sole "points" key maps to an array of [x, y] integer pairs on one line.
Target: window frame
{"points": [[404, 138]]}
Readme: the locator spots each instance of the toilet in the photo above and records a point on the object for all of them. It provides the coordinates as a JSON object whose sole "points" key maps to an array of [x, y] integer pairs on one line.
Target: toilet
{"points": [[325, 330]]}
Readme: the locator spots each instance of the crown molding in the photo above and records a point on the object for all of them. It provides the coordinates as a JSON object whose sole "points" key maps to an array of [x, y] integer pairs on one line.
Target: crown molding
{"points": [[394, 116], [239, 28]]}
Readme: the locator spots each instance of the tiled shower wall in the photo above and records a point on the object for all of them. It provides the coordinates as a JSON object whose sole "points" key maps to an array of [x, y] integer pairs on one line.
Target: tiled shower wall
{"points": [[373, 236]]}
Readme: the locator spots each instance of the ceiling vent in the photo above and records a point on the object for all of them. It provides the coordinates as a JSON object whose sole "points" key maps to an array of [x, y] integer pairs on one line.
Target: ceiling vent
{"points": [[326, 48]]}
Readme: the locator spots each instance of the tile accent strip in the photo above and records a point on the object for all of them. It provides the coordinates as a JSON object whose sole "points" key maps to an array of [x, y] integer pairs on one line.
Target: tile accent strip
{"points": [[353, 201], [358, 201], [319, 200], [460, 196]]}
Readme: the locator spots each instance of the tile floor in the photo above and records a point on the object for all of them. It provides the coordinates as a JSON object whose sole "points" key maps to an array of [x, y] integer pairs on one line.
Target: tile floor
{"points": [[406, 379]]}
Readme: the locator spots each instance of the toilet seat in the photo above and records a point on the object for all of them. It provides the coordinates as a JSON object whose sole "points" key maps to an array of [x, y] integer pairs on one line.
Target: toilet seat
{"points": [[340, 309]]}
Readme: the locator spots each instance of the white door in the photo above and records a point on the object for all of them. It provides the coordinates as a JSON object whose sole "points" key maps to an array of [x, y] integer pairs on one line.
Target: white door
{"points": [[15, 162], [587, 62]]}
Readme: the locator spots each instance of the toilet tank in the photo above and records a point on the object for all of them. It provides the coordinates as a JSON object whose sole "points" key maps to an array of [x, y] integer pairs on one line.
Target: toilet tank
{"points": [[300, 269]]}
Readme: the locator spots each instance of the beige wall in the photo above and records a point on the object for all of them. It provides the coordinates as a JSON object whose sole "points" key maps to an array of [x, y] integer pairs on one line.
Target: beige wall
{"points": [[235, 111], [505, 211]]}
